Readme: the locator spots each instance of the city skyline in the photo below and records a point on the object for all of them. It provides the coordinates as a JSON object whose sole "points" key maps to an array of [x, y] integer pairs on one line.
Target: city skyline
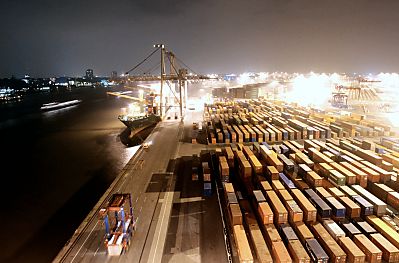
{"points": [[66, 38]]}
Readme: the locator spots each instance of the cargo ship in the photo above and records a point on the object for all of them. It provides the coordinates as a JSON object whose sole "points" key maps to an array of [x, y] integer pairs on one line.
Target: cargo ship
{"points": [[139, 123], [137, 119], [59, 105]]}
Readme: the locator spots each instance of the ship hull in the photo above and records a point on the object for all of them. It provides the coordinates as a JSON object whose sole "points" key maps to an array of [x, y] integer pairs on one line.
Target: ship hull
{"points": [[137, 125]]}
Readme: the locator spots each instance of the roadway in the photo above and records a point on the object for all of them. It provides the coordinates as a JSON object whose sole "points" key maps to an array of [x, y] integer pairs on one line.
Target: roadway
{"points": [[173, 221], [144, 178], [194, 230]]}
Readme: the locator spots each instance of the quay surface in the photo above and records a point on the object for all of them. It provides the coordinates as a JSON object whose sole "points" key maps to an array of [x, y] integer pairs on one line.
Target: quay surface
{"points": [[174, 222]]}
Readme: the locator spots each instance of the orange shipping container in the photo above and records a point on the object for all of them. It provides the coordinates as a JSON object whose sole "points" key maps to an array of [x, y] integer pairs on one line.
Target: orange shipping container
{"points": [[309, 211], [353, 210], [235, 214], [298, 252], [272, 173], [331, 247], [295, 213], [265, 186], [279, 211], [280, 252], [256, 165], [314, 179], [274, 161], [373, 253], [393, 199], [265, 213], [349, 176], [354, 254], [271, 234], [243, 248], [262, 251], [361, 177], [390, 253], [302, 232]]}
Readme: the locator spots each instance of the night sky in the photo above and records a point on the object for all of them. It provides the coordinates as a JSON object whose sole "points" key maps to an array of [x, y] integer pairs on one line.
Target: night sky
{"points": [[50, 37]]}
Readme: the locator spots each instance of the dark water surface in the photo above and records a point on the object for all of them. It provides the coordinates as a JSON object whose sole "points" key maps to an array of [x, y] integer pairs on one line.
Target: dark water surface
{"points": [[54, 167]]}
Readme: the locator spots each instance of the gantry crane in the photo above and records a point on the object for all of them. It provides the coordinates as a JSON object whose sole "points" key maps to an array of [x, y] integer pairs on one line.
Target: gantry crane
{"points": [[176, 74]]}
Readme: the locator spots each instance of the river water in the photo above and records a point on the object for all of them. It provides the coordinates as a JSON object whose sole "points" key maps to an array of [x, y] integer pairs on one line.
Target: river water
{"points": [[54, 167]]}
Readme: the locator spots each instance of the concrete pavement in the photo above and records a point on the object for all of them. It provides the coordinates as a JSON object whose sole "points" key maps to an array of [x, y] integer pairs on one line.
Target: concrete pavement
{"points": [[172, 217]]}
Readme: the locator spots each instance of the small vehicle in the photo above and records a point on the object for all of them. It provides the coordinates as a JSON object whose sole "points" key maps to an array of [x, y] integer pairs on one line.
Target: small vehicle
{"points": [[146, 145]]}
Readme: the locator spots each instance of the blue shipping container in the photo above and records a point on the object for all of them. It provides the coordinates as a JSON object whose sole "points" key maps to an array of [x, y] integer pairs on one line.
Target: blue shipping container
{"points": [[207, 189]]}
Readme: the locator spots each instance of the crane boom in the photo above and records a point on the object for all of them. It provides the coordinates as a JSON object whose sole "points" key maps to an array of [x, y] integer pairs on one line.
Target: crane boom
{"points": [[124, 96]]}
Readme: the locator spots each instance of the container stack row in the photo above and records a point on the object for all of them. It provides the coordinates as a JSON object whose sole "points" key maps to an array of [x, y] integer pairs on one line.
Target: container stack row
{"points": [[311, 201], [266, 121]]}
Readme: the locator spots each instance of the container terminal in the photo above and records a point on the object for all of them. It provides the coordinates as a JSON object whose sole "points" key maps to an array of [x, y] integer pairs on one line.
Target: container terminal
{"points": [[252, 178]]}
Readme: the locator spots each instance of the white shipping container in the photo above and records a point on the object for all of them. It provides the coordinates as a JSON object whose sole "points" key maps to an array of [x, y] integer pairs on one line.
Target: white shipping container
{"points": [[335, 231]]}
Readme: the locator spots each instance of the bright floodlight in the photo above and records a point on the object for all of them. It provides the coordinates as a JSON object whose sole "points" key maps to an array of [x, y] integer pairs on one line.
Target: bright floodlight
{"points": [[263, 75], [245, 78], [312, 90]]}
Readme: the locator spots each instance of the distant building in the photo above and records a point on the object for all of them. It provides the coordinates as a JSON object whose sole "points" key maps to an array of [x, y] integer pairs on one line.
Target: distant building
{"points": [[89, 74], [61, 81], [114, 75]]}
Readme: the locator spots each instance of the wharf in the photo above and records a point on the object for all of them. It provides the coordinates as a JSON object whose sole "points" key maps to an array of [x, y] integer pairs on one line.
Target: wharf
{"points": [[174, 222]]}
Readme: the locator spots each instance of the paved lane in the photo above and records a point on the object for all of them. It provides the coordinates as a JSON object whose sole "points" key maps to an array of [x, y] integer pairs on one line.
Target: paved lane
{"points": [[145, 177], [174, 222]]}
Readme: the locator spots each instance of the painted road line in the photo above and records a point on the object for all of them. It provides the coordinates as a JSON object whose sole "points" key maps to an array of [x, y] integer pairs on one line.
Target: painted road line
{"points": [[77, 253]]}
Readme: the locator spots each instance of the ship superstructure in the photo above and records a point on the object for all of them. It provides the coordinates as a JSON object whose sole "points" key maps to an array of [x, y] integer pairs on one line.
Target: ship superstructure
{"points": [[138, 118]]}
